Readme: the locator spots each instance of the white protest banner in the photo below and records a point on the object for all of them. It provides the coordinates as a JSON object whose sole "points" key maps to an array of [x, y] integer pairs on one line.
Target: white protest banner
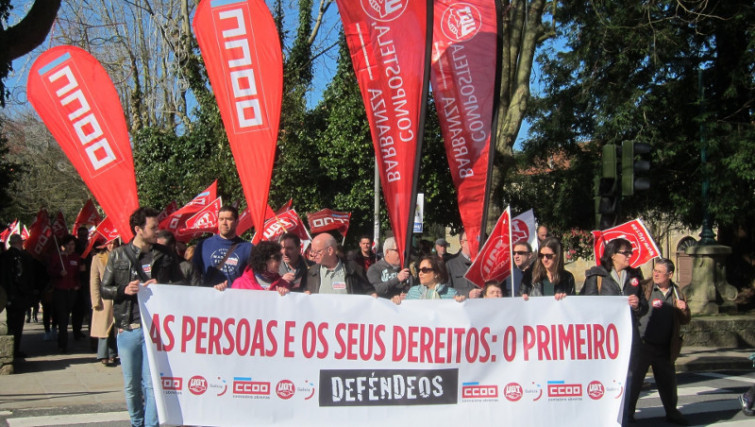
{"points": [[242, 357]]}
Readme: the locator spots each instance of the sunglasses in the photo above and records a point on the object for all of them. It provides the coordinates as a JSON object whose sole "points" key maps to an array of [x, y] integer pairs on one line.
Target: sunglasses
{"points": [[521, 253], [546, 256], [625, 253], [426, 270]]}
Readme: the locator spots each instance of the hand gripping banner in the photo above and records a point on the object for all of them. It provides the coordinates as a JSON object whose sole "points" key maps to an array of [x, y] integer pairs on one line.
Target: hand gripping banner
{"points": [[464, 66], [76, 99], [242, 52], [388, 41]]}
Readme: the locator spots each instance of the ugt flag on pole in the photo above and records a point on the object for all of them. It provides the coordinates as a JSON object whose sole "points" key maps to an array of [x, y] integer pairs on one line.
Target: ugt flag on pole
{"points": [[287, 221], [389, 46], [464, 70], [643, 246], [204, 221], [241, 49], [74, 96]]}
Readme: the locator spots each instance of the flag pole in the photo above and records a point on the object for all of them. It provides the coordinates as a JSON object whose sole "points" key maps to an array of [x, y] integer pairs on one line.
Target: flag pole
{"points": [[420, 132], [511, 253], [57, 248], [493, 129]]}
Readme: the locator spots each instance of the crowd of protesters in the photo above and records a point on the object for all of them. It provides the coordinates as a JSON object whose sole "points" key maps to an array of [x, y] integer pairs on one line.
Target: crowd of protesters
{"points": [[102, 288]]}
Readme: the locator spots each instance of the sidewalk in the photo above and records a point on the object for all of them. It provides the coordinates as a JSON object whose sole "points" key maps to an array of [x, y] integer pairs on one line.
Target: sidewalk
{"points": [[50, 380], [46, 379]]}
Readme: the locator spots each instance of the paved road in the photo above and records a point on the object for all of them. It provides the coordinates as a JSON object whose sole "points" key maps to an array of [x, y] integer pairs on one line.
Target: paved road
{"points": [[705, 398]]}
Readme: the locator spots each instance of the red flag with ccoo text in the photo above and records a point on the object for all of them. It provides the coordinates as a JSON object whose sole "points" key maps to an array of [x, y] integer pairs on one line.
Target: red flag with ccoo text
{"points": [[389, 42], [327, 219], [76, 99], [464, 69], [241, 49], [40, 235]]}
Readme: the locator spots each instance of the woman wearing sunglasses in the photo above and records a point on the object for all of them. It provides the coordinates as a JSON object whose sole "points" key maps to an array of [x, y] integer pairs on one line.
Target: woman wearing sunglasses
{"points": [[548, 276], [614, 276], [432, 281]]}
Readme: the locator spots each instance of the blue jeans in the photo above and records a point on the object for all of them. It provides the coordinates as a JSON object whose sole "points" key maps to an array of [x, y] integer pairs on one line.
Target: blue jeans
{"points": [[137, 382]]}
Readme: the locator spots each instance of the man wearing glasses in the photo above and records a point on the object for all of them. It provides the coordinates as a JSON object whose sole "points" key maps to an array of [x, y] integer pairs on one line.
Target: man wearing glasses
{"points": [[386, 275], [614, 276], [522, 262], [331, 275], [660, 342]]}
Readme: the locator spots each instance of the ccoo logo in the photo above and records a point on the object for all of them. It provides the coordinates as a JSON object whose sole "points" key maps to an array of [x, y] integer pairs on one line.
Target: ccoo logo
{"points": [[461, 22]]}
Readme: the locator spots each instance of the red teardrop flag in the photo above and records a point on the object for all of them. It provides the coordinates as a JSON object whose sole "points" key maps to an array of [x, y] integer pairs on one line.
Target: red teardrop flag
{"points": [[240, 46], [76, 99]]}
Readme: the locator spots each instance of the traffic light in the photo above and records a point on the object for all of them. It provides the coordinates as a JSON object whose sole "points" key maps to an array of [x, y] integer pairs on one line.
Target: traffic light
{"points": [[632, 170], [607, 189]]}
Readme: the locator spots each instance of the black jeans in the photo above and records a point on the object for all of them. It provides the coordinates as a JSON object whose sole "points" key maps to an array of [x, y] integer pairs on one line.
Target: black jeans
{"points": [[62, 301], [16, 311], [657, 356]]}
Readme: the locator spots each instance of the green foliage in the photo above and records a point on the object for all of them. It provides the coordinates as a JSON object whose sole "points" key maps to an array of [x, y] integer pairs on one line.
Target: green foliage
{"points": [[441, 206], [630, 72], [171, 167], [9, 171]]}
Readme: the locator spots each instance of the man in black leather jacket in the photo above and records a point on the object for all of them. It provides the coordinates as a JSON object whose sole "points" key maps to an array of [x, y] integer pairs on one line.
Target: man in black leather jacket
{"points": [[121, 282]]}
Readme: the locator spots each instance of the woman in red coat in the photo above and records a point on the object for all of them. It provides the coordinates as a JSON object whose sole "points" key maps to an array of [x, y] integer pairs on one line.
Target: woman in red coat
{"points": [[261, 272]]}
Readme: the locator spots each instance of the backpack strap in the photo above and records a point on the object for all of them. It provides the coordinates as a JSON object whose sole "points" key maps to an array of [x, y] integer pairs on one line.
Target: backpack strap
{"points": [[225, 258], [135, 264], [600, 283]]}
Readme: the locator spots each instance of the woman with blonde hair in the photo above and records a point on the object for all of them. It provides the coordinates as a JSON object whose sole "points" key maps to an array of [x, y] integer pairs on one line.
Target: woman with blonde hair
{"points": [[102, 309]]}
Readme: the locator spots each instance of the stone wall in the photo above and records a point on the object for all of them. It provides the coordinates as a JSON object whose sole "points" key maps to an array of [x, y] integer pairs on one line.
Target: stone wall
{"points": [[720, 331], [6, 347]]}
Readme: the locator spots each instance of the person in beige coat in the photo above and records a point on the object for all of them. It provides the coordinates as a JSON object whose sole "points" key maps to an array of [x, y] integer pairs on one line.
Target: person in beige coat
{"points": [[102, 310]]}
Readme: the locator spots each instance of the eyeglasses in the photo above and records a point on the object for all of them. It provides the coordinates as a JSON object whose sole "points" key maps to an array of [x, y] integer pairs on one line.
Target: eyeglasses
{"points": [[521, 253], [316, 252], [625, 253], [546, 256], [426, 270], [660, 272]]}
